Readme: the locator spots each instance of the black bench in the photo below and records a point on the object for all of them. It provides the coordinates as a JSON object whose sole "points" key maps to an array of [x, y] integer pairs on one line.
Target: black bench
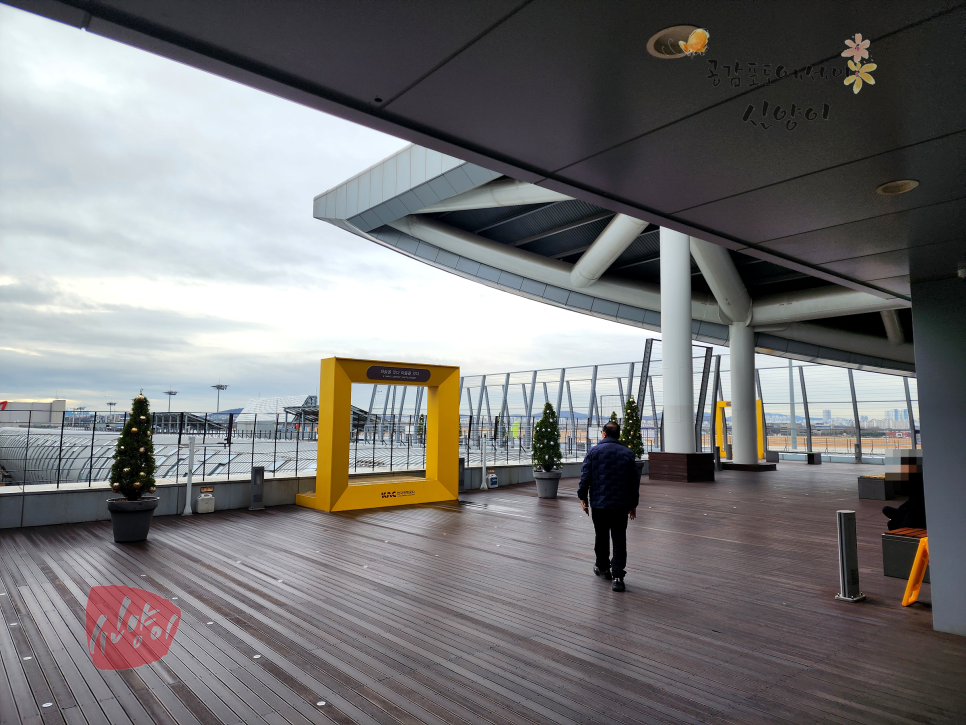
{"points": [[878, 487], [899, 548]]}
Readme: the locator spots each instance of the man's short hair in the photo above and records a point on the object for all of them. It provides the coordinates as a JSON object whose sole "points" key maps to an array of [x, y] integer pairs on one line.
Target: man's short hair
{"points": [[612, 429]]}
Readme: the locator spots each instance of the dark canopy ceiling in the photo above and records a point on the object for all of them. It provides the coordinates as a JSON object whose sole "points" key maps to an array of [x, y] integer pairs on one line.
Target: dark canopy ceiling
{"points": [[564, 94]]}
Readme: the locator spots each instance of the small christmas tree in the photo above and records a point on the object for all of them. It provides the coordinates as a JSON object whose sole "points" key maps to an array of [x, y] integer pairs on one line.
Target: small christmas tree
{"points": [[631, 431], [546, 441], [421, 428], [133, 471], [613, 417]]}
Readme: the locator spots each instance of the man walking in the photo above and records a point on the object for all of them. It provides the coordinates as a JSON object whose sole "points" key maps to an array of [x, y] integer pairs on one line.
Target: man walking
{"points": [[609, 478]]}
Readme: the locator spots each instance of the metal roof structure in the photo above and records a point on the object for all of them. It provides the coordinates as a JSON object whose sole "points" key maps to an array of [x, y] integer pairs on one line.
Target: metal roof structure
{"points": [[491, 241]]}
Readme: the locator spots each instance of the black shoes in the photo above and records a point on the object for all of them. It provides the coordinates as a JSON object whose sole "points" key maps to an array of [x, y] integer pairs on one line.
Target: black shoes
{"points": [[618, 585], [602, 572]]}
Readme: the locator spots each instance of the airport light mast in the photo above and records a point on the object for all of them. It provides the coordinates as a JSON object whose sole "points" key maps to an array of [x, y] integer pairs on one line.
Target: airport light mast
{"points": [[219, 387]]}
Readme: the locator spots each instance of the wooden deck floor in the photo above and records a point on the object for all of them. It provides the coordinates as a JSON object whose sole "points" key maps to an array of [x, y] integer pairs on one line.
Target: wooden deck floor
{"points": [[488, 612]]}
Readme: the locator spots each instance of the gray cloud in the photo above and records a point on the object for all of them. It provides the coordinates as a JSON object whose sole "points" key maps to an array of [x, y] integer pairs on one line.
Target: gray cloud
{"points": [[121, 170]]}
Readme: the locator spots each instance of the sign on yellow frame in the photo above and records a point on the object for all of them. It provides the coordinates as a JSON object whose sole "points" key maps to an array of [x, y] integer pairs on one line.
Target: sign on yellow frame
{"points": [[333, 490]]}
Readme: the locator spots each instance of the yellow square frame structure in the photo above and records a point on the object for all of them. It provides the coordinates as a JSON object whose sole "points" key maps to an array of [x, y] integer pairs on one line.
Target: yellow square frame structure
{"points": [[720, 425], [333, 491]]}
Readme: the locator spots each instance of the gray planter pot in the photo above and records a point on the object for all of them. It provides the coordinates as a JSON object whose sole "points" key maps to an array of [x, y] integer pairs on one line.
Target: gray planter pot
{"points": [[547, 483], [642, 466], [131, 519]]}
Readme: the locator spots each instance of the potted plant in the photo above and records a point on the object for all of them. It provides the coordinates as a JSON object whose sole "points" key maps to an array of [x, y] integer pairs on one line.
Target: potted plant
{"points": [[546, 453], [631, 432], [133, 476]]}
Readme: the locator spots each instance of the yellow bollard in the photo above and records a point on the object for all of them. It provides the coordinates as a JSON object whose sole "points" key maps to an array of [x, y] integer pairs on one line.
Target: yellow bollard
{"points": [[917, 573]]}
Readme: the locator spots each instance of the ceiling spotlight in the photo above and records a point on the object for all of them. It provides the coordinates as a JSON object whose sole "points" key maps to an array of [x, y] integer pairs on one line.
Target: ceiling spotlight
{"points": [[897, 187], [666, 44]]}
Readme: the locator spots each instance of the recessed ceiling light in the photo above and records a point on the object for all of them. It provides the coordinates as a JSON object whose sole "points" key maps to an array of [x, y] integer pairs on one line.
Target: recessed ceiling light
{"points": [[665, 44], [897, 187]]}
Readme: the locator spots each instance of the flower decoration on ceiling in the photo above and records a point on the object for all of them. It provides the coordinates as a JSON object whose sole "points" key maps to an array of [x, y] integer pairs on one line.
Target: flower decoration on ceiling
{"points": [[697, 42], [859, 73], [858, 48]]}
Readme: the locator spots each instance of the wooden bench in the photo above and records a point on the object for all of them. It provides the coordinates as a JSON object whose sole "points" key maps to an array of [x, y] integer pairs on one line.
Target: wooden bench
{"points": [[899, 551], [878, 487]]}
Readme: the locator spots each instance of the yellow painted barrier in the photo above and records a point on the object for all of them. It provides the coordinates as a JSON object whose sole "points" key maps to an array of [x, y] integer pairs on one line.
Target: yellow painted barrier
{"points": [[917, 573], [333, 491], [720, 425]]}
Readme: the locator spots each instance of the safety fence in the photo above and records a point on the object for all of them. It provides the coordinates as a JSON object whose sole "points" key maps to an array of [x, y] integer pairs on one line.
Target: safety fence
{"points": [[805, 407]]}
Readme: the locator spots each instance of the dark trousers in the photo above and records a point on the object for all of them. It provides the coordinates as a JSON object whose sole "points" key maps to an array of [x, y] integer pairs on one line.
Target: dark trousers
{"points": [[610, 524]]}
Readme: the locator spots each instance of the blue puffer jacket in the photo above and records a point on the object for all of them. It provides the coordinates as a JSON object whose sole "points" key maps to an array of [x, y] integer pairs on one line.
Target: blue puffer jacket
{"points": [[609, 475]]}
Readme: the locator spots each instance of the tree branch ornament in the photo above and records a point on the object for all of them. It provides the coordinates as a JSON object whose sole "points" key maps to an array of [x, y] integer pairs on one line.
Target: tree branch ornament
{"points": [[132, 474]]}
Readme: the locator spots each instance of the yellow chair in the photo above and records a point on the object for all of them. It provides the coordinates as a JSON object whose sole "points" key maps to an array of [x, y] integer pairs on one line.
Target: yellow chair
{"points": [[917, 573]]}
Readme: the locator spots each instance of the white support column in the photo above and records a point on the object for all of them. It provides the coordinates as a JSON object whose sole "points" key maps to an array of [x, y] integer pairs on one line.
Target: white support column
{"points": [[743, 411], [676, 342]]}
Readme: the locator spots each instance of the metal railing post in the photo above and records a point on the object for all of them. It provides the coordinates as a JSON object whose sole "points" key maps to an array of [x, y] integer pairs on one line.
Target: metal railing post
{"points": [[912, 418], [60, 449], [26, 447], [702, 396], [90, 467], [645, 370], [385, 407], [593, 402], [190, 474], [177, 457], [533, 392], [714, 401], [808, 418], [560, 387], [855, 413], [392, 426], [792, 421], [764, 424], [231, 421], [254, 428], [479, 412]]}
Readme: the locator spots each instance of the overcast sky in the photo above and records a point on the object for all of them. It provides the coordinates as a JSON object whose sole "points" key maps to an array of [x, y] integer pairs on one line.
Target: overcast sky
{"points": [[156, 231]]}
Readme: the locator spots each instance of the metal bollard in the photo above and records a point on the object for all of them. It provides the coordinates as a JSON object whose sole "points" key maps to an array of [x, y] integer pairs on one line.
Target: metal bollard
{"points": [[191, 468], [848, 558], [258, 488]]}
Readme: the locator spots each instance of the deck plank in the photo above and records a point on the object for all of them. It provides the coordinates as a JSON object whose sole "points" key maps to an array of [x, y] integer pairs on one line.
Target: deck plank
{"points": [[485, 612]]}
